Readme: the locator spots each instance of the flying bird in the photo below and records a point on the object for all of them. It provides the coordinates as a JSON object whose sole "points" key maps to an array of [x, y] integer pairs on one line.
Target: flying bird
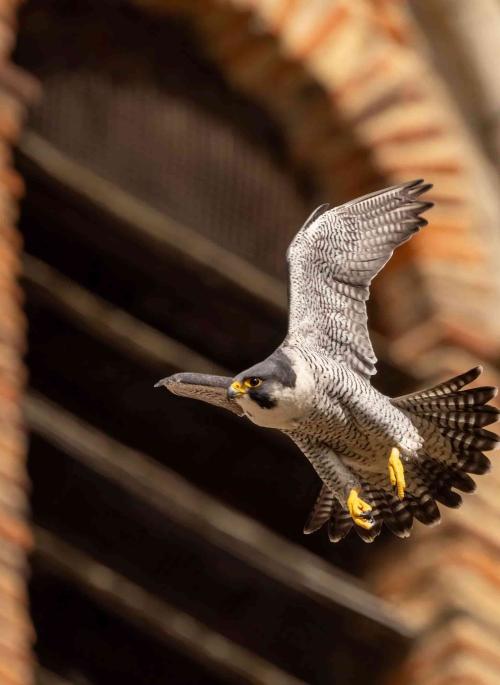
{"points": [[381, 460]]}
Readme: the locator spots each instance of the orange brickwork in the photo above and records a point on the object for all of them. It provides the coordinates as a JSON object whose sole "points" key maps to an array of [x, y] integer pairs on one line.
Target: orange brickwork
{"points": [[16, 634], [447, 583]]}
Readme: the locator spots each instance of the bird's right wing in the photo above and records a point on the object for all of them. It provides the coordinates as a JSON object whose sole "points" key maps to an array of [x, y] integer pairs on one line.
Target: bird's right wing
{"points": [[332, 261], [201, 386]]}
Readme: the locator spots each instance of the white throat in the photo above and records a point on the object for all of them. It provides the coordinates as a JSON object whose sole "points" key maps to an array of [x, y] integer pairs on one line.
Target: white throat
{"points": [[292, 404]]}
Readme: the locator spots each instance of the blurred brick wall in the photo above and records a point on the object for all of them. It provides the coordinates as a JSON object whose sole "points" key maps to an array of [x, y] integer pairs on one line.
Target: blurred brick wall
{"points": [[16, 637], [447, 584]]}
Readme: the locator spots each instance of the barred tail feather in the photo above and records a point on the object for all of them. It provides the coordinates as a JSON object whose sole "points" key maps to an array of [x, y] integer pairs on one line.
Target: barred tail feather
{"points": [[386, 508], [459, 415], [448, 387], [398, 517], [425, 509], [465, 400], [477, 463], [339, 524], [327, 508], [462, 419], [321, 512]]}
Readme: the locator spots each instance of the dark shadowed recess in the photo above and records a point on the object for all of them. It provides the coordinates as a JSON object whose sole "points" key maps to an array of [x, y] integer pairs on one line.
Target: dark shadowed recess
{"points": [[288, 628], [198, 308], [84, 643], [134, 47], [135, 100]]}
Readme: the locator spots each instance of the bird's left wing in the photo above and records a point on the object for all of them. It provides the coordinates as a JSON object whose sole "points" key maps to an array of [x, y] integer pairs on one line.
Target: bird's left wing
{"points": [[332, 261], [201, 386]]}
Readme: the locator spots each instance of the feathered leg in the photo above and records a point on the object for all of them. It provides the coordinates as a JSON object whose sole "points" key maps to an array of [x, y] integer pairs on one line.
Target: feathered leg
{"points": [[338, 477]]}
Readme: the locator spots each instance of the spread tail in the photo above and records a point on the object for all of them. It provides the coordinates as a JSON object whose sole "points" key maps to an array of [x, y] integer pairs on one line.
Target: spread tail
{"points": [[451, 412]]}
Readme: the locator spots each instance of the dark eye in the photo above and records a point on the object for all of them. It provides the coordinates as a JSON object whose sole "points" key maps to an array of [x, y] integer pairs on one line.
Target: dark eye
{"points": [[253, 382]]}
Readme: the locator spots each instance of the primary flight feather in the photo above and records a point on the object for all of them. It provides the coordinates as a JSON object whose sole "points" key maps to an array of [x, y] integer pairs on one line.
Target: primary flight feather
{"points": [[381, 459]]}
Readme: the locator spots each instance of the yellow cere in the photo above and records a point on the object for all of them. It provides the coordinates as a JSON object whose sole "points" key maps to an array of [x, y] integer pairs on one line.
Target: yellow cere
{"points": [[236, 385]]}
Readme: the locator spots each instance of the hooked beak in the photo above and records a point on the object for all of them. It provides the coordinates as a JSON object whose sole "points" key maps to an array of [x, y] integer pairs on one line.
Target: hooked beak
{"points": [[235, 390]]}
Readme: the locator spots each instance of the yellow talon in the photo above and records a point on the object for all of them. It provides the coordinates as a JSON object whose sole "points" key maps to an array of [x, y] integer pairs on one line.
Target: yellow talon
{"points": [[358, 510], [396, 472]]}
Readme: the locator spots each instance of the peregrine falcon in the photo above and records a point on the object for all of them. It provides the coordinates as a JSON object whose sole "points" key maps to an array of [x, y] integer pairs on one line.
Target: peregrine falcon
{"points": [[381, 460]]}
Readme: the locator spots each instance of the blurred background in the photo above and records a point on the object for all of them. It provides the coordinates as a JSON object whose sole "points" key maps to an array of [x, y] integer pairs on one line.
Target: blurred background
{"points": [[157, 156]]}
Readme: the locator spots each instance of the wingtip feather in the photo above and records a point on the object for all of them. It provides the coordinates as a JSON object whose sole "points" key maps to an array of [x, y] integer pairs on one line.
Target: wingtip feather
{"points": [[417, 189]]}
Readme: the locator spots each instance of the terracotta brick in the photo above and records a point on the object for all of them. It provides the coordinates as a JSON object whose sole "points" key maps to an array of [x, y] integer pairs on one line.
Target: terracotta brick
{"points": [[12, 585], [15, 531], [12, 562], [16, 633], [311, 25], [14, 614], [463, 650], [7, 38], [15, 639], [13, 498], [282, 14], [340, 57], [273, 12], [13, 448], [11, 674], [10, 126]]}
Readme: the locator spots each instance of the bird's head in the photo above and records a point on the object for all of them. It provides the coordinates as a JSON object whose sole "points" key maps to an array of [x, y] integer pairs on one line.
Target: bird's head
{"points": [[265, 383]]}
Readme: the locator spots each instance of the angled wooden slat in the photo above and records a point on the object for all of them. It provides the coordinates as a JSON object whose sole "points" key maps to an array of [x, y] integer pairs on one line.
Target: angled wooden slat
{"points": [[173, 497], [147, 225], [149, 613], [110, 324], [46, 677]]}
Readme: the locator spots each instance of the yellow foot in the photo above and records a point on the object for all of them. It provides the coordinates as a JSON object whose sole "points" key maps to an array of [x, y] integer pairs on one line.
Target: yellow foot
{"points": [[359, 510], [396, 472]]}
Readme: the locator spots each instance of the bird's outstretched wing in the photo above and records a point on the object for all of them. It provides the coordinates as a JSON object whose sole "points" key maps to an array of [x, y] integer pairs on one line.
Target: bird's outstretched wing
{"points": [[200, 386], [332, 261]]}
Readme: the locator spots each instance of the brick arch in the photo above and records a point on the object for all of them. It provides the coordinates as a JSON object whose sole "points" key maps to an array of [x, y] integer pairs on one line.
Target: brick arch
{"points": [[360, 106]]}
